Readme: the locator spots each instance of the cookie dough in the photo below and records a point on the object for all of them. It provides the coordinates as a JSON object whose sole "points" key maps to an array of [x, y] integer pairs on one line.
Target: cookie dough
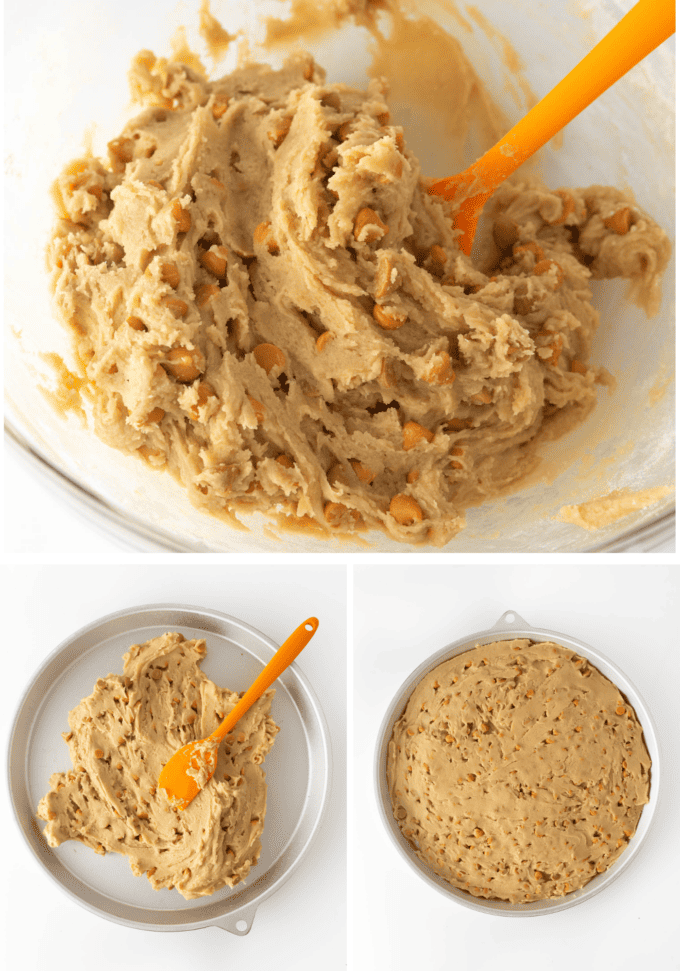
{"points": [[120, 738], [267, 303], [518, 771]]}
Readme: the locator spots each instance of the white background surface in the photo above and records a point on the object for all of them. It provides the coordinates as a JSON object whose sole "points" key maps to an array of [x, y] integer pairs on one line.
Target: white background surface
{"points": [[44, 928], [401, 617]]}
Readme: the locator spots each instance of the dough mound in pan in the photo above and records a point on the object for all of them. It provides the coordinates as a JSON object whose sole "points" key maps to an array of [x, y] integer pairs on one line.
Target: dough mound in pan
{"points": [[120, 738]]}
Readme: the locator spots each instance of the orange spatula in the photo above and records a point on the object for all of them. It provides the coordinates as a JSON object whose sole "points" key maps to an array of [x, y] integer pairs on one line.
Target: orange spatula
{"points": [[647, 25], [192, 766]]}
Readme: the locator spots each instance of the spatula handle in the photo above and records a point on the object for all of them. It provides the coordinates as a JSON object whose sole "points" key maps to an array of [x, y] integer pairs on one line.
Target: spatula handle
{"points": [[644, 27], [638, 33], [285, 655]]}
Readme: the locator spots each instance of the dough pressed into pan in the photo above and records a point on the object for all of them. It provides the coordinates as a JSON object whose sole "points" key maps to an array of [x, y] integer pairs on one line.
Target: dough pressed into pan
{"points": [[518, 771]]}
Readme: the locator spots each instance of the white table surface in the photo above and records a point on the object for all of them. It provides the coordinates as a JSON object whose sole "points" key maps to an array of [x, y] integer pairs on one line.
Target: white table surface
{"points": [[404, 615], [306, 917]]}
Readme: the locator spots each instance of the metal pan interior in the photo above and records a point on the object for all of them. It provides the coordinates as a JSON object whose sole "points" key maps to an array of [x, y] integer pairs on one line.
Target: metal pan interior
{"points": [[297, 768], [511, 625]]}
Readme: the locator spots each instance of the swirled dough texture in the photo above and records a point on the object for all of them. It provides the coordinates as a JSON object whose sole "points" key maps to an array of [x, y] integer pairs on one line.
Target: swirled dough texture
{"points": [[268, 304], [120, 738], [518, 771]]}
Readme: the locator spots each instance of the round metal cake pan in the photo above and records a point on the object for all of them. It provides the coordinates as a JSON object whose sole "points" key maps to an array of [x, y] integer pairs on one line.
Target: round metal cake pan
{"points": [[511, 625], [298, 768]]}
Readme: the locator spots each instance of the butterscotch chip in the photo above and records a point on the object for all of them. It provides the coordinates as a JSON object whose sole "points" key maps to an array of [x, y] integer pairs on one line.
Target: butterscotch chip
{"points": [[205, 293], [413, 433], [549, 266], [531, 247], [269, 356], [385, 277], [182, 217], [516, 776], [205, 391], [220, 105], [442, 370], [336, 512], [263, 234], [178, 307], [181, 364], [567, 208], [387, 320], [438, 259], [619, 221], [170, 275], [257, 407], [458, 452], [122, 149], [368, 226], [215, 261], [363, 473], [406, 510], [323, 339]]}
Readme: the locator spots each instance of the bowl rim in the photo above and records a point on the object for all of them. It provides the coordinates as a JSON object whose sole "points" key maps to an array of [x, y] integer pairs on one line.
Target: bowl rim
{"points": [[509, 626], [137, 535]]}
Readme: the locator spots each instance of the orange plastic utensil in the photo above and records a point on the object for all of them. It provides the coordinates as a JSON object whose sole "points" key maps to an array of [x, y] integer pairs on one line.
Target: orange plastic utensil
{"points": [[192, 766], [647, 25]]}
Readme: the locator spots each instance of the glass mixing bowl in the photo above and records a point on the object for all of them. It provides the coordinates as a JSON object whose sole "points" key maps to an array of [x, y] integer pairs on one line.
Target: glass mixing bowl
{"points": [[72, 65]]}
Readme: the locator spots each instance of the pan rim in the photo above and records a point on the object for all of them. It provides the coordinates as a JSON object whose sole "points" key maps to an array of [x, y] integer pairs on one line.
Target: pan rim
{"points": [[506, 630]]}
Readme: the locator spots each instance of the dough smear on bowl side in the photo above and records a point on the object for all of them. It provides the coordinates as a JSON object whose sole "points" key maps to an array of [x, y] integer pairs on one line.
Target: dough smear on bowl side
{"points": [[121, 736], [518, 771], [268, 305]]}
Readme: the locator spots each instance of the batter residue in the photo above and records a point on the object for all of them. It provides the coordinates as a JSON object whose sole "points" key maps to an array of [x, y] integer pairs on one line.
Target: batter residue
{"points": [[605, 510]]}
